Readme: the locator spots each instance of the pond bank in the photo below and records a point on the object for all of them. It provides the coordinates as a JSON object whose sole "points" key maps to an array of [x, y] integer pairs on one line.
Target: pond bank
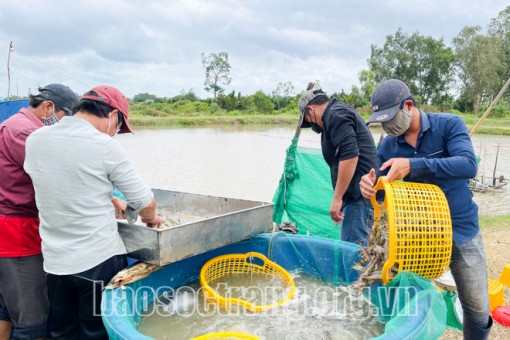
{"points": [[491, 126]]}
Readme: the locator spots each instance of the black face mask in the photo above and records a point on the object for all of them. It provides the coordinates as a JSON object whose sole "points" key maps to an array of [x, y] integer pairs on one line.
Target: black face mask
{"points": [[316, 128]]}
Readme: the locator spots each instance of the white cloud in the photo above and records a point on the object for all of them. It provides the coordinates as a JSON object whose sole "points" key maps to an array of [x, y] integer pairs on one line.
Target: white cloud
{"points": [[155, 46]]}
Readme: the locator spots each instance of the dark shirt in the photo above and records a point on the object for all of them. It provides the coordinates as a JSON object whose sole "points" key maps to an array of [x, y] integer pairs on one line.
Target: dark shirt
{"points": [[346, 136], [443, 156]]}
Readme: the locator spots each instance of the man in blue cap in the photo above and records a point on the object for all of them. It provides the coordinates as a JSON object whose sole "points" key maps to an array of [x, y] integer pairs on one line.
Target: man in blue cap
{"points": [[23, 294], [436, 149]]}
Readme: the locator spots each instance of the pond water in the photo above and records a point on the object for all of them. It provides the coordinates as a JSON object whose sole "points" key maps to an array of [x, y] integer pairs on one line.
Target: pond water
{"points": [[247, 162]]}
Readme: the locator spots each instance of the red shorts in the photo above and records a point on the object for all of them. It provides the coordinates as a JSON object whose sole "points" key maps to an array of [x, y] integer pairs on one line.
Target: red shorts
{"points": [[19, 236]]}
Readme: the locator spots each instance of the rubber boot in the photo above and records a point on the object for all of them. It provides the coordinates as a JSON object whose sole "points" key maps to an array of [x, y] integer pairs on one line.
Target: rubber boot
{"points": [[474, 332]]}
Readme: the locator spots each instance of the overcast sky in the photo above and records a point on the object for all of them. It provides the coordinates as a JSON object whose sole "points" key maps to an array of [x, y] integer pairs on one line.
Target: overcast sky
{"points": [[155, 46]]}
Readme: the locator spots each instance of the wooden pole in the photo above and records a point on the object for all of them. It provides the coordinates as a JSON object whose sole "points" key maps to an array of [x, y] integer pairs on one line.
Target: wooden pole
{"points": [[9, 72], [495, 165], [301, 115], [489, 109]]}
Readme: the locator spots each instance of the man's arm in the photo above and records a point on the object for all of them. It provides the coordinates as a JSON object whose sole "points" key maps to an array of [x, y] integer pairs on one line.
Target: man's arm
{"points": [[461, 162], [456, 161], [367, 183], [398, 168], [140, 199], [149, 216], [346, 169], [343, 137]]}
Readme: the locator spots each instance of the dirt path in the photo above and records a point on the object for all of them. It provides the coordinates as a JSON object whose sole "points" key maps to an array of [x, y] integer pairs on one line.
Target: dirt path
{"points": [[497, 248]]}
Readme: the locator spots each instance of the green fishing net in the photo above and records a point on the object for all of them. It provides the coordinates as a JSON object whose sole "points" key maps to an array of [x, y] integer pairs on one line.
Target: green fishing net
{"points": [[304, 193]]}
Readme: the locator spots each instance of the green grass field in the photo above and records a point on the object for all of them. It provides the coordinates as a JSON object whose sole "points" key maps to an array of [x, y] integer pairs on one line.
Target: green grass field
{"points": [[491, 126]]}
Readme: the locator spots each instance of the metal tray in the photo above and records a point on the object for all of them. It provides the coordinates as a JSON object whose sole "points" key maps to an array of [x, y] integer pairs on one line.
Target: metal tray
{"points": [[217, 221]]}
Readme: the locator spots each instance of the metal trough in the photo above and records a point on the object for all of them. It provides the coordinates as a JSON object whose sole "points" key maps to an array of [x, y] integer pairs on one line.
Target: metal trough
{"points": [[216, 221]]}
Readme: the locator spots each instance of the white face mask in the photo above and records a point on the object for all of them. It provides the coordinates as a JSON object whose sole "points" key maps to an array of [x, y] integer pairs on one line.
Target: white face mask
{"points": [[51, 120], [116, 124], [399, 124]]}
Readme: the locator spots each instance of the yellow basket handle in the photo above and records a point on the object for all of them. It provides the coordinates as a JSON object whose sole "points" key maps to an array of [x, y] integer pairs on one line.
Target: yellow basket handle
{"points": [[378, 186], [256, 255]]}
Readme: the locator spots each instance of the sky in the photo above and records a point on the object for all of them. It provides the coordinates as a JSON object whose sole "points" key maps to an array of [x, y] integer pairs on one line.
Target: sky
{"points": [[155, 46]]}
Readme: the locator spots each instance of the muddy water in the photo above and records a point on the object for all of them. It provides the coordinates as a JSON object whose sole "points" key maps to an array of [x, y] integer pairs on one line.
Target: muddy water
{"points": [[494, 152], [247, 163], [231, 162], [316, 311]]}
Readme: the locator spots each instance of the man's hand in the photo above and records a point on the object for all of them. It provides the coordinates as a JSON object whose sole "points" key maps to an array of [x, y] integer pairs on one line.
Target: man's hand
{"points": [[153, 222], [335, 211], [367, 185], [120, 208], [400, 168]]}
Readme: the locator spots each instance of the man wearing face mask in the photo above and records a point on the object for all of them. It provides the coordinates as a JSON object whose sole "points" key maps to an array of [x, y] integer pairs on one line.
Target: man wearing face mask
{"points": [[349, 149], [436, 149], [23, 291], [81, 245]]}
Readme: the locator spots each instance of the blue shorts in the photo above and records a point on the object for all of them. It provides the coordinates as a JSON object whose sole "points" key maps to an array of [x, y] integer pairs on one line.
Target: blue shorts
{"points": [[24, 296]]}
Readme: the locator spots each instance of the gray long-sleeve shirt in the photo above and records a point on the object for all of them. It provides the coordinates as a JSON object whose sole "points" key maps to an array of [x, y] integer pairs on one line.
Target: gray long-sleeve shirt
{"points": [[74, 169]]}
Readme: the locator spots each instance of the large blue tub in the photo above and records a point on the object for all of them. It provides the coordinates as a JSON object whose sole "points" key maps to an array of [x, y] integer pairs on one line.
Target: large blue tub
{"points": [[327, 259]]}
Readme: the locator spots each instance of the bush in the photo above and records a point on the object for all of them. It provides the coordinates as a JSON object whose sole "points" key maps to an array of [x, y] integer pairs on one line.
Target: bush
{"points": [[260, 103], [189, 96], [502, 109], [144, 97], [235, 113], [147, 111], [231, 101]]}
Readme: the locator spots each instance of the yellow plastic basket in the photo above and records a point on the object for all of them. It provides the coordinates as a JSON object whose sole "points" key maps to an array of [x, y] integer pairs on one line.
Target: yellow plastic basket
{"points": [[419, 225], [240, 264], [226, 335]]}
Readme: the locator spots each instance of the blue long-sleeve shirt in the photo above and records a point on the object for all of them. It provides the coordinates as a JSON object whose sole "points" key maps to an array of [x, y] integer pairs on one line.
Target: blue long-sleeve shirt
{"points": [[443, 156]]}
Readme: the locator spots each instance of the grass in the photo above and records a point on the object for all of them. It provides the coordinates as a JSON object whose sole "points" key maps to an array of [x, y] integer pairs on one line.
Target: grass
{"points": [[213, 120], [490, 126], [497, 249]]}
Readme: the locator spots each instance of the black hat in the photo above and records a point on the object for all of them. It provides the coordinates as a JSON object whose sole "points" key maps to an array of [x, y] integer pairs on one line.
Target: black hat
{"points": [[386, 100], [61, 95]]}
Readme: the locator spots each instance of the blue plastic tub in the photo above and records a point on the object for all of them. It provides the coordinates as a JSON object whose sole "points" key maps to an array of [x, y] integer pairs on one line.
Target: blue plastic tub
{"points": [[10, 107], [327, 259]]}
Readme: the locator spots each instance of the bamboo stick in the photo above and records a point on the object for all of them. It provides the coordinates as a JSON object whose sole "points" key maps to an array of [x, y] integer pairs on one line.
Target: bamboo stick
{"points": [[489, 109]]}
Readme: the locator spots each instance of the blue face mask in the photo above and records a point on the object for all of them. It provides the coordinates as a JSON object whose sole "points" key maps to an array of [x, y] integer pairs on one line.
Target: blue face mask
{"points": [[51, 120]]}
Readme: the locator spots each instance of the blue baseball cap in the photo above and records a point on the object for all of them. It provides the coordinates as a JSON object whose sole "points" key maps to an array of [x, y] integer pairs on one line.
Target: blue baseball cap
{"points": [[386, 100]]}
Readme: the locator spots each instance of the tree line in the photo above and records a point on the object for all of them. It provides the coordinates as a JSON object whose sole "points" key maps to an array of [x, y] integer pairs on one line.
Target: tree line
{"points": [[463, 77]]}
